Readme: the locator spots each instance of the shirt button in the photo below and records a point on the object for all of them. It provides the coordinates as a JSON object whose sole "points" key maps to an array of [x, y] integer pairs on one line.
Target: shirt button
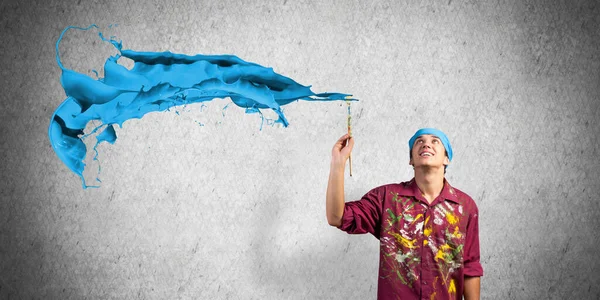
{"points": [[424, 282]]}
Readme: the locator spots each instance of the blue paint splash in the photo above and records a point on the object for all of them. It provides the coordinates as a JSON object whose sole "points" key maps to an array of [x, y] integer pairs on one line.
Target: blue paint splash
{"points": [[157, 82]]}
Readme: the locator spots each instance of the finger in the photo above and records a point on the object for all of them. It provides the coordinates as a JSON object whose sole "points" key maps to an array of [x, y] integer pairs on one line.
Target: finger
{"points": [[348, 146], [339, 144], [350, 143], [343, 138]]}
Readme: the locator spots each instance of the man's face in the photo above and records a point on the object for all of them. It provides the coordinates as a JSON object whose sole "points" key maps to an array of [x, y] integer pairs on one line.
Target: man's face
{"points": [[428, 151]]}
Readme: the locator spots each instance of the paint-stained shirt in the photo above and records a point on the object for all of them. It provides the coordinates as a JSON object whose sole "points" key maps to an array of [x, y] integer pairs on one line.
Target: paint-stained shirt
{"points": [[426, 250]]}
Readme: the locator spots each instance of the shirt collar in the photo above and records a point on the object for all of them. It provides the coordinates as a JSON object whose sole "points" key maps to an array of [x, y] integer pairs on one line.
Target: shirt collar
{"points": [[412, 189]]}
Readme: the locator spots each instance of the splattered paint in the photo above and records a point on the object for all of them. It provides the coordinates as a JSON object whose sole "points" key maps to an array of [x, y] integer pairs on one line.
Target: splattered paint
{"points": [[419, 237], [157, 82], [426, 248]]}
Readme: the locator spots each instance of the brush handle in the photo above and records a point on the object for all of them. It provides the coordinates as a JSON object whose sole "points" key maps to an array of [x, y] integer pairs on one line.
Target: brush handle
{"points": [[350, 134]]}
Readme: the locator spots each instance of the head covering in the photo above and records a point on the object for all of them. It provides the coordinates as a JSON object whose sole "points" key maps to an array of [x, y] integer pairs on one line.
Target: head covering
{"points": [[435, 132]]}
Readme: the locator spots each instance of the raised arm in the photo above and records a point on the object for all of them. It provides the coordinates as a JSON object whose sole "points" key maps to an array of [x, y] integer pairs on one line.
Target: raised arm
{"points": [[335, 187]]}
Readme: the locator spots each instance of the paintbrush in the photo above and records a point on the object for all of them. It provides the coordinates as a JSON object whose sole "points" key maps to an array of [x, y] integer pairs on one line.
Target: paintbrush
{"points": [[350, 134]]}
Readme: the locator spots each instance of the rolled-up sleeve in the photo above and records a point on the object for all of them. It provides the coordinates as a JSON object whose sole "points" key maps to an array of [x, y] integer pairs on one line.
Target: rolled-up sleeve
{"points": [[363, 216], [472, 265]]}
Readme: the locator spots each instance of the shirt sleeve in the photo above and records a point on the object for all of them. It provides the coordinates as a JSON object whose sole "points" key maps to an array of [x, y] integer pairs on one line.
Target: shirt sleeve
{"points": [[472, 265], [363, 216]]}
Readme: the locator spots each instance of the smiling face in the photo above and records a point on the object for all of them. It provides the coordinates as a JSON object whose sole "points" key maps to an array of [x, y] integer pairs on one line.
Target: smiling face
{"points": [[428, 151]]}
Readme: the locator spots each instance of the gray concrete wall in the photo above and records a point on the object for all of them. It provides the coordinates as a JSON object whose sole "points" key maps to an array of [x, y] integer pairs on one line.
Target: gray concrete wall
{"points": [[226, 211]]}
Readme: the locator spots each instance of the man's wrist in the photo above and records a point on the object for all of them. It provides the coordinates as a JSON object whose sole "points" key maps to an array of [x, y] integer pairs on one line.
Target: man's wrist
{"points": [[337, 167]]}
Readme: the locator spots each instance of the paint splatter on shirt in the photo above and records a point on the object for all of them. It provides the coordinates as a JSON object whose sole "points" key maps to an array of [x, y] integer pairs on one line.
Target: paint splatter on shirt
{"points": [[426, 250]]}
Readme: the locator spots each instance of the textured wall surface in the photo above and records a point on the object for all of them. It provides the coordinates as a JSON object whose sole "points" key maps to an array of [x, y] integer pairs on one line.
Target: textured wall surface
{"points": [[227, 211]]}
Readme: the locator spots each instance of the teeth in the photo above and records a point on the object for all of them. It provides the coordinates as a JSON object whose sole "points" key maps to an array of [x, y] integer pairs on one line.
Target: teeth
{"points": [[426, 154]]}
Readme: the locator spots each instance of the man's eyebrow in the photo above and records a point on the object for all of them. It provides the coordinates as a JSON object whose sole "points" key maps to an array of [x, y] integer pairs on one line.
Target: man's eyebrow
{"points": [[433, 136]]}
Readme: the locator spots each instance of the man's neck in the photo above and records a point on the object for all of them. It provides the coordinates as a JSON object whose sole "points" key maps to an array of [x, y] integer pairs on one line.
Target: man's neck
{"points": [[430, 182]]}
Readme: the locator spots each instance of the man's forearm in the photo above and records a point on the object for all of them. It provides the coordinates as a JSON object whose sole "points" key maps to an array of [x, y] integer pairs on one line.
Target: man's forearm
{"points": [[472, 286], [335, 195]]}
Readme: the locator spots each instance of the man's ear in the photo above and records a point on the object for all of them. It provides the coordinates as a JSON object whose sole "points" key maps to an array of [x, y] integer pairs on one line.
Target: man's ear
{"points": [[446, 161]]}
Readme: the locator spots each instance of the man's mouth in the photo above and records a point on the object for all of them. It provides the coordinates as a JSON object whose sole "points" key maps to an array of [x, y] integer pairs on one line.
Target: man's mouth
{"points": [[426, 154]]}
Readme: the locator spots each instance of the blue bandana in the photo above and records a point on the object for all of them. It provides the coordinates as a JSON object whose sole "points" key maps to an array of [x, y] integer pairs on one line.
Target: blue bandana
{"points": [[434, 132]]}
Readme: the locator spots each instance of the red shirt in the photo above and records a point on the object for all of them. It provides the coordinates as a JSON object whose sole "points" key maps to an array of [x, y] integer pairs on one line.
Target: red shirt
{"points": [[426, 250]]}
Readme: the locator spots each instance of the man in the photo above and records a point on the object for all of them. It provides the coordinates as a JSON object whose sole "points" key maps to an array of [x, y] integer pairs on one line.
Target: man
{"points": [[427, 229]]}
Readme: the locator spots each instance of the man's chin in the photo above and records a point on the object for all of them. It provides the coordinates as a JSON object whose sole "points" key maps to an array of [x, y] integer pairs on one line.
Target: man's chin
{"points": [[429, 167]]}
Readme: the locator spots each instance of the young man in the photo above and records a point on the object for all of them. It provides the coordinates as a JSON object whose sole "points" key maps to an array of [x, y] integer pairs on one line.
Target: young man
{"points": [[427, 229]]}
